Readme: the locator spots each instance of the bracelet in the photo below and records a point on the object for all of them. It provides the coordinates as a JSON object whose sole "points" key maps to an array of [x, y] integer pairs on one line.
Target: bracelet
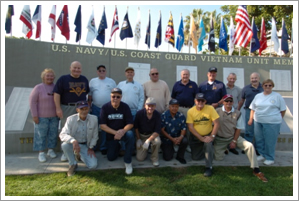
{"points": [[234, 141]]}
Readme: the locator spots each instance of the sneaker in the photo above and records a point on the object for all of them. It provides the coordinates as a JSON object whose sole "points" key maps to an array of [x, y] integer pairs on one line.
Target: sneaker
{"points": [[129, 168], [268, 162], [71, 170], [51, 153], [208, 172], [156, 163], [260, 158], [42, 157], [261, 176], [182, 160], [63, 158], [188, 149]]}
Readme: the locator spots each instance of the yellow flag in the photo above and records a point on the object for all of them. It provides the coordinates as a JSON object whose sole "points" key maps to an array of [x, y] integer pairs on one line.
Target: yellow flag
{"points": [[193, 34]]}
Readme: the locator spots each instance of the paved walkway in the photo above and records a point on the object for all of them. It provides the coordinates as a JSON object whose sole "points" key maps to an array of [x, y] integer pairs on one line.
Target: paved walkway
{"points": [[27, 163]]}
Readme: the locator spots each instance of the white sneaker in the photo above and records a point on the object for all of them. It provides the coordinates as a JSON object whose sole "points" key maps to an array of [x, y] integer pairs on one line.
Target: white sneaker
{"points": [[42, 157], [129, 168], [156, 163], [188, 149], [268, 162], [260, 158], [51, 153], [63, 158]]}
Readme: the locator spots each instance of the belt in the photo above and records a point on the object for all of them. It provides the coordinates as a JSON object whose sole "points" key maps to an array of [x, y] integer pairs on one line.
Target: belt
{"points": [[70, 104], [82, 142]]}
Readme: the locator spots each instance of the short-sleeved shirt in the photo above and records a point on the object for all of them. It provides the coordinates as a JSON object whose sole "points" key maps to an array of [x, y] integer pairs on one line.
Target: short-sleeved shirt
{"points": [[173, 125], [115, 118], [213, 92], [249, 92], [202, 119], [70, 89], [185, 94], [145, 125]]}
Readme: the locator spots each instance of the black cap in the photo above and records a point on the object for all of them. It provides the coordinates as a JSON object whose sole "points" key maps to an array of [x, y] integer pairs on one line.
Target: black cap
{"points": [[200, 96], [174, 102], [116, 90], [101, 66], [212, 69], [81, 104]]}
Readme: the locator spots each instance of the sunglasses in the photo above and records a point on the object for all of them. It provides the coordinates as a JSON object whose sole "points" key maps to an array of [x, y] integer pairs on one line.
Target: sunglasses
{"points": [[270, 85], [102, 71], [118, 97], [228, 101], [155, 74]]}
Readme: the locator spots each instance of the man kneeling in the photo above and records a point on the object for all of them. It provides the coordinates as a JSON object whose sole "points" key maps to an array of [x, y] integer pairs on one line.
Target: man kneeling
{"points": [[79, 135], [229, 134]]}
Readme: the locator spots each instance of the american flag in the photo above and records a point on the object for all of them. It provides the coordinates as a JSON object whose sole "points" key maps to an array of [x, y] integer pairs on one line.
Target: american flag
{"points": [[243, 32]]}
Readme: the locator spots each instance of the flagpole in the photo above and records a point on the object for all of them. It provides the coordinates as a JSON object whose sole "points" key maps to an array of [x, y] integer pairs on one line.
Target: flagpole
{"points": [[190, 34], [281, 37], [251, 37]]}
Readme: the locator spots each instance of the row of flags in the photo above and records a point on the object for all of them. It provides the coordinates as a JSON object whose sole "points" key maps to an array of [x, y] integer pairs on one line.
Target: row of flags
{"points": [[244, 33]]}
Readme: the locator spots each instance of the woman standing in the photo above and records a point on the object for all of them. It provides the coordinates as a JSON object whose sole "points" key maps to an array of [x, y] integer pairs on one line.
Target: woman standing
{"points": [[44, 116], [267, 110]]}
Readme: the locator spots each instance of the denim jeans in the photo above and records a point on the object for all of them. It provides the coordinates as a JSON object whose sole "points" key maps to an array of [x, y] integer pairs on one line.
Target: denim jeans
{"points": [[266, 137], [122, 143], [102, 136], [113, 147], [90, 162], [249, 130], [46, 131]]}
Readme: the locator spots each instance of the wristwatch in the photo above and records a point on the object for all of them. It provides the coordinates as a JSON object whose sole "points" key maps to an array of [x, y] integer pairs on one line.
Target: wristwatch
{"points": [[213, 136]]}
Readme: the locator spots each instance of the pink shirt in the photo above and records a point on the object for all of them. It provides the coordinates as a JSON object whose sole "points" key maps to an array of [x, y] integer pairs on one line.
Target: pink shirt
{"points": [[41, 101]]}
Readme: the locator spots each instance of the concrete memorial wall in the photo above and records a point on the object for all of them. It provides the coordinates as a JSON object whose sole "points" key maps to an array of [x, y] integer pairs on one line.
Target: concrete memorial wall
{"points": [[26, 59]]}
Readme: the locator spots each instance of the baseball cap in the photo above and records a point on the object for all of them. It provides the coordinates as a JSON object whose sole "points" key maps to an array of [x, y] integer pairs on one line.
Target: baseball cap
{"points": [[129, 68], [200, 96], [174, 102], [212, 69], [227, 96], [150, 101], [81, 104], [101, 66], [116, 90]]}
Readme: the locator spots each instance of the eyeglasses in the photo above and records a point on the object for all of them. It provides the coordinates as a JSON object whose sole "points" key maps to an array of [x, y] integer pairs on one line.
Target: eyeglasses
{"points": [[154, 74], [228, 101], [50, 94], [102, 71], [118, 97], [266, 85]]}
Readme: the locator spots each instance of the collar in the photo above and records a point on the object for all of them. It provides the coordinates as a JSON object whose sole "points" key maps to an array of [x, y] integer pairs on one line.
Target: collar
{"points": [[229, 111], [78, 117], [210, 82], [130, 82]]}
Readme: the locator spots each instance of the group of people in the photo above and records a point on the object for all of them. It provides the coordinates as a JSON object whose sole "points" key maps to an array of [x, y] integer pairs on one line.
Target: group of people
{"points": [[128, 119]]}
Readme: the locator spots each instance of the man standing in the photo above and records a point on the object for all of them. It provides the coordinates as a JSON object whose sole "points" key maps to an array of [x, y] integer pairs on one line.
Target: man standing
{"points": [[117, 121], [79, 135], [147, 128], [158, 89], [199, 120], [248, 94], [174, 132], [100, 88], [230, 121], [68, 90], [212, 89], [235, 91]]}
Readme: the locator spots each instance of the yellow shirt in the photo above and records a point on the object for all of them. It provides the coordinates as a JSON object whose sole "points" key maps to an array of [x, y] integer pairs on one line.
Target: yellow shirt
{"points": [[202, 119]]}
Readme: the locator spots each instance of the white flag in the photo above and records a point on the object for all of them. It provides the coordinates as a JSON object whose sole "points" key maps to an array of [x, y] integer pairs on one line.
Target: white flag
{"points": [[26, 19], [92, 30], [52, 20], [137, 29], [231, 36], [274, 36]]}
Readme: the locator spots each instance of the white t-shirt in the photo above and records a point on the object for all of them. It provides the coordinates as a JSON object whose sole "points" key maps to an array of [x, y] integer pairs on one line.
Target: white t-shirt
{"points": [[100, 90], [268, 107]]}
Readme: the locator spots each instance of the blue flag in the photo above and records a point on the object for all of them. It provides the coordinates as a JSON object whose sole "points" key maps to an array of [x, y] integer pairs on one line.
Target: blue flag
{"points": [[223, 37], [148, 32], [255, 43], [10, 12], [202, 35], [126, 30], [284, 39], [180, 38], [102, 27], [158, 35], [78, 24]]}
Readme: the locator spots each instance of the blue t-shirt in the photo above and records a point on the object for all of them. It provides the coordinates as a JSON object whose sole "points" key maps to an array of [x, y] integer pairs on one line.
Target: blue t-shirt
{"points": [[249, 92], [145, 125], [71, 89], [213, 92], [115, 118], [185, 94], [173, 126]]}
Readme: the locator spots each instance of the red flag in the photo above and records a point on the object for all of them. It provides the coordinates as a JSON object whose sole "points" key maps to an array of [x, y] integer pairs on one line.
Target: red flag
{"points": [[26, 19], [115, 25], [243, 32], [63, 22], [263, 39], [52, 19]]}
